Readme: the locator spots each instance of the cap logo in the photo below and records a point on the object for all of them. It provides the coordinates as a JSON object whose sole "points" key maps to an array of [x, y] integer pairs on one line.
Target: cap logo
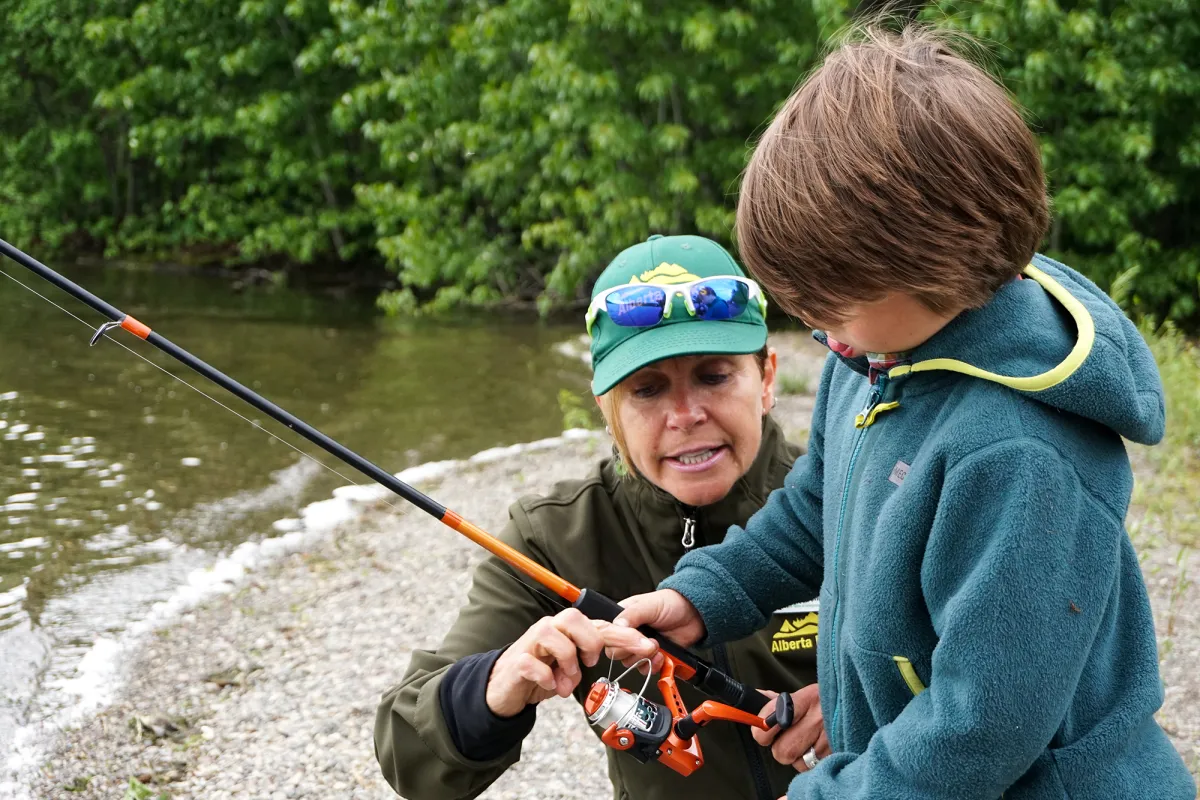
{"points": [[665, 275]]}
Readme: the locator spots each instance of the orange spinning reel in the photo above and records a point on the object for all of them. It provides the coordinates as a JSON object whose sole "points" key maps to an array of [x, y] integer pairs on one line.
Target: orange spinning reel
{"points": [[665, 732]]}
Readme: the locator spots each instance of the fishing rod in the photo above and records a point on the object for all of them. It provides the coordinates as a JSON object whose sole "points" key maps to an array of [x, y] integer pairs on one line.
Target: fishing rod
{"points": [[631, 722]]}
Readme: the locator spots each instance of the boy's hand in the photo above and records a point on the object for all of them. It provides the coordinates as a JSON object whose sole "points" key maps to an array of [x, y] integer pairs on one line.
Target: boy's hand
{"points": [[807, 731], [668, 612]]}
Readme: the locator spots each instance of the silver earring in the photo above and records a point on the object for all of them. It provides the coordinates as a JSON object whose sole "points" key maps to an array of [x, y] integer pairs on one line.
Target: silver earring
{"points": [[608, 430]]}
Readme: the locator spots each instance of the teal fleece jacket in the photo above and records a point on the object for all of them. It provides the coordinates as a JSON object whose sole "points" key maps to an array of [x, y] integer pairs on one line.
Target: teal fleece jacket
{"points": [[984, 628]]}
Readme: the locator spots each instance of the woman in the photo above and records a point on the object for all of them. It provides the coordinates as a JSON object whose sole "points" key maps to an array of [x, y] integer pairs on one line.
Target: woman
{"points": [[685, 382]]}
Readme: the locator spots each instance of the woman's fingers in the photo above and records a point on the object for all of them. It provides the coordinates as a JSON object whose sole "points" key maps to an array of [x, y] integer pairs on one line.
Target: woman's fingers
{"points": [[534, 670], [806, 732], [557, 647], [627, 640], [550, 656], [627, 645], [807, 701], [764, 738], [823, 748], [791, 745], [586, 639]]}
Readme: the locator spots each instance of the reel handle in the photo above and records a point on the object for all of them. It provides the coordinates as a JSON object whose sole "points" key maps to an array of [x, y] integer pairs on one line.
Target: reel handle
{"points": [[689, 666], [784, 714]]}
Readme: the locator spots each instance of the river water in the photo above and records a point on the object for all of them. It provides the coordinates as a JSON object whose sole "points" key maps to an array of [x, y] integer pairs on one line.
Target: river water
{"points": [[117, 480]]}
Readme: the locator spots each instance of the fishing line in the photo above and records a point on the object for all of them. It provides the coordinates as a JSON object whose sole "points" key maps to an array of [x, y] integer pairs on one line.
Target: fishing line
{"points": [[395, 509]]}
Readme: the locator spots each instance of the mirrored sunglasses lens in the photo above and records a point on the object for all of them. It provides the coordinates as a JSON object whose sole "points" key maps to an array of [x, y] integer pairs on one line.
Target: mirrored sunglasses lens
{"points": [[636, 306], [720, 298]]}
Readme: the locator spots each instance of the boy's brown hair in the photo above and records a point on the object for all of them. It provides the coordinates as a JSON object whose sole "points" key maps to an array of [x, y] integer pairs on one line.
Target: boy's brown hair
{"points": [[898, 165]]}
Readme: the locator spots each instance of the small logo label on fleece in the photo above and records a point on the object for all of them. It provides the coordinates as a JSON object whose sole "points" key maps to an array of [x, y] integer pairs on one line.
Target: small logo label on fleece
{"points": [[796, 633], [899, 473]]}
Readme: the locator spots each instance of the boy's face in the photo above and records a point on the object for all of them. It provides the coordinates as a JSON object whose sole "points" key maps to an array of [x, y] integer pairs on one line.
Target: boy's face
{"points": [[895, 324]]}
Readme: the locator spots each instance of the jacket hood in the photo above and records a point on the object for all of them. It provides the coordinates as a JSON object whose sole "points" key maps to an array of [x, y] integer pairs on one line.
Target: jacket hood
{"points": [[1059, 339]]}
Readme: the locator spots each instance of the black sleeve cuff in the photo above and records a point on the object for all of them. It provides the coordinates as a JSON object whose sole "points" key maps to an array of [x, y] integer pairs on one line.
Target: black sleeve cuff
{"points": [[479, 734]]}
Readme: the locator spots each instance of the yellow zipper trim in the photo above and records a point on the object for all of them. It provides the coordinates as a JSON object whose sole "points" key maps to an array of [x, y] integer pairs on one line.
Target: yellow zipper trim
{"points": [[909, 674], [867, 420], [1034, 383]]}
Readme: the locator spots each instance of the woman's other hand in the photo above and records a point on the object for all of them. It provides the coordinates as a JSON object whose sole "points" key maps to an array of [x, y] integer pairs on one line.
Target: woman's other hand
{"points": [[807, 730], [545, 661]]}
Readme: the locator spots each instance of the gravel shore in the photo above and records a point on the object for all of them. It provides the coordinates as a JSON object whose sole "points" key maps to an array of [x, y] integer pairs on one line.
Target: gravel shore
{"points": [[270, 691]]}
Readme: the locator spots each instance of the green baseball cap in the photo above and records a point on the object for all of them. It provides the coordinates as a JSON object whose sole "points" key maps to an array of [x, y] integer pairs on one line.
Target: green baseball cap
{"points": [[618, 351]]}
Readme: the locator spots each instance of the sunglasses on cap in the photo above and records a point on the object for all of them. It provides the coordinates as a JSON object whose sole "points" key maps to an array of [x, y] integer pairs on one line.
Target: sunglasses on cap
{"points": [[640, 305]]}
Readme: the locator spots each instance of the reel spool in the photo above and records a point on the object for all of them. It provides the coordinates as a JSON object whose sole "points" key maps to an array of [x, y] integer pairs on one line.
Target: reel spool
{"points": [[630, 722]]}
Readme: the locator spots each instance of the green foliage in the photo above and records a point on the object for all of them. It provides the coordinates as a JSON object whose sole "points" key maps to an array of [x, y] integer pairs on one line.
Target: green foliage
{"points": [[502, 151], [1167, 489], [1113, 90], [528, 141], [577, 413], [162, 127]]}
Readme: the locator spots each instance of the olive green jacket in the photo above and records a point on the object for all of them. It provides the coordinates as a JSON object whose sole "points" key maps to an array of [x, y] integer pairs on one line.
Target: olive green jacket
{"points": [[619, 537]]}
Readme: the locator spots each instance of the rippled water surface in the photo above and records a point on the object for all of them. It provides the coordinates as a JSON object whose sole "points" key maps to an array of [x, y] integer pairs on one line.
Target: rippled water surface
{"points": [[115, 478]]}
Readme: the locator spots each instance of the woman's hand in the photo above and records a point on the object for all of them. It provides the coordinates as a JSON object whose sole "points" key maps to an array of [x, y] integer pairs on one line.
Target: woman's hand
{"points": [[545, 661], [807, 730], [668, 612]]}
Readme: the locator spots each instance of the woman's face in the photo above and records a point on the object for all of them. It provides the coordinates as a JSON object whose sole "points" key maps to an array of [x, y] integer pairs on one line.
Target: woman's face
{"points": [[693, 424]]}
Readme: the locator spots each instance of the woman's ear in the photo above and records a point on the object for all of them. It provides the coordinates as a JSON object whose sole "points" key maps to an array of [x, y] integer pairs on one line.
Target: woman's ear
{"points": [[768, 389]]}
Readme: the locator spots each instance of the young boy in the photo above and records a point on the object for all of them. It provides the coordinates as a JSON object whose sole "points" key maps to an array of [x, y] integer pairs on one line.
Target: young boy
{"points": [[984, 628]]}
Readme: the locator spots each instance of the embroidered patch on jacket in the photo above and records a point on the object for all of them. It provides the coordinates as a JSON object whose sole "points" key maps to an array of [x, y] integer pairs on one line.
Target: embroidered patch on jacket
{"points": [[796, 633], [899, 473]]}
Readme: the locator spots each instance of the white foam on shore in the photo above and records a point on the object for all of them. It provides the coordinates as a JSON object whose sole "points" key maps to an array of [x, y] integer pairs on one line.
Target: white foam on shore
{"points": [[98, 674]]}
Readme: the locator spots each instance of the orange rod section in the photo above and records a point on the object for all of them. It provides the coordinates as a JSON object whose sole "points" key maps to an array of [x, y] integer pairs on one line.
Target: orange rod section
{"points": [[138, 329], [508, 555]]}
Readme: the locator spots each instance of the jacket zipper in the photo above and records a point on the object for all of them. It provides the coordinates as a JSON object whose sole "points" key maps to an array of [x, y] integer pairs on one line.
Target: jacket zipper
{"points": [[688, 517], [873, 400], [754, 756]]}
